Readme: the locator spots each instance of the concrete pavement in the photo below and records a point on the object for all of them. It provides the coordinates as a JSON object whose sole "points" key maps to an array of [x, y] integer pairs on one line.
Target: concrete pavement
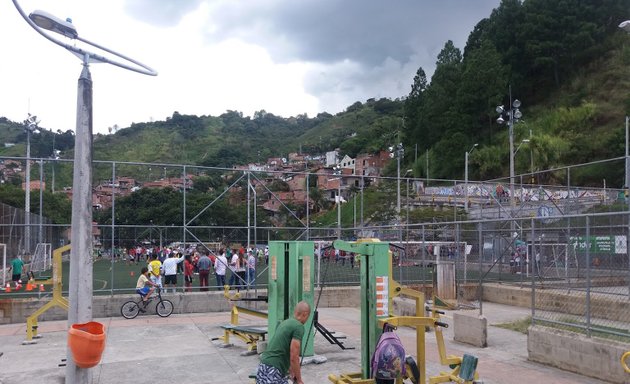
{"points": [[179, 348]]}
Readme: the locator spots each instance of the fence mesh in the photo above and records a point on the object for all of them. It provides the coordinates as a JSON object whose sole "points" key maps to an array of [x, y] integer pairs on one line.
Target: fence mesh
{"points": [[545, 238]]}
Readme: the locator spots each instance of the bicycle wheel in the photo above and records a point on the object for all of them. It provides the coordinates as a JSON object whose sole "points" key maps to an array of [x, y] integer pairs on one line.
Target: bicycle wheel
{"points": [[164, 308], [129, 310]]}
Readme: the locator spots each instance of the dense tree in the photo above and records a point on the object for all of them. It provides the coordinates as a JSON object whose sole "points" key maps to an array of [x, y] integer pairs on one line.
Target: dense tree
{"points": [[554, 38], [56, 207], [483, 84], [206, 183], [503, 29], [413, 109], [449, 156], [439, 112]]}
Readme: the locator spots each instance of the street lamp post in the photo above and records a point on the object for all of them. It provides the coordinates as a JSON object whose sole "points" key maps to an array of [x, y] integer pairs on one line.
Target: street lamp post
{"points": [[513, 114], [337, 171], [524, 141], [55, 156], [466, 177], [398, 152], [31, 126], [80, 279]]}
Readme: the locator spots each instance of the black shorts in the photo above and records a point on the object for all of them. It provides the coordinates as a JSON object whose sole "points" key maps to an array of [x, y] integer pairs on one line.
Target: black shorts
{"points": [[170, 279], [16, 277]]}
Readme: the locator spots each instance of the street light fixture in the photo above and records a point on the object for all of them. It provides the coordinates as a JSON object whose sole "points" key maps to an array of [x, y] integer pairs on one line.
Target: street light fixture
{"points": [[80, 280], [466, 177], [625, 25], [511, 115], [524, 141]]}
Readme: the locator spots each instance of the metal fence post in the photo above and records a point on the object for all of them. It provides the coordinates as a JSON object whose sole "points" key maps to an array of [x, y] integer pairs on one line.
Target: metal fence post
{"points": [[113, 224], [588, 277], [480, 289], [533, 254]]}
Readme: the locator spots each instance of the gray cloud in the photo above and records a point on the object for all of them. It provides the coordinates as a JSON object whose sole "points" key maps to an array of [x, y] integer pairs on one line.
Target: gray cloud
{"points": [[365, 31], [160, 12], [368, 48]]}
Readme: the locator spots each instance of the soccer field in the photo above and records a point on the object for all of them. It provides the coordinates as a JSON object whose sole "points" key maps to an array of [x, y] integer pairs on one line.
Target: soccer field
{"points": [[120, 277]]}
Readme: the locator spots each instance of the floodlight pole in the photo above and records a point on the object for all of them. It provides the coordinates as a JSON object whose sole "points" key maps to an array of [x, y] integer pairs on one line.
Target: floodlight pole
{"points": [[27, 196]]}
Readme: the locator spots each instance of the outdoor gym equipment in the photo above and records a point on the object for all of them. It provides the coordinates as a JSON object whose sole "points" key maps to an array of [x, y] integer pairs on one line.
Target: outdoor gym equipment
{"points": [[378, 290], [291, 279], [57, 299], [291, 276], [250, 335]]}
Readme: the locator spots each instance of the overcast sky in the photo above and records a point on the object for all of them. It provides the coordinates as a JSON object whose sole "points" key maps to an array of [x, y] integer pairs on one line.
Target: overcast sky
{"points": [[287, 57]]}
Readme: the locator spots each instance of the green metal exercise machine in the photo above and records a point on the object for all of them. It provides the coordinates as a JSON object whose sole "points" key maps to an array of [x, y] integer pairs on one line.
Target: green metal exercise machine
{"points": [[378, 289], [291, 280]]}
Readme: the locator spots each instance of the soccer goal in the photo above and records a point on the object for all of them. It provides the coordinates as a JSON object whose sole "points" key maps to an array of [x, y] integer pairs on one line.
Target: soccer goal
{"points": [[42, 258], [558, 260]]}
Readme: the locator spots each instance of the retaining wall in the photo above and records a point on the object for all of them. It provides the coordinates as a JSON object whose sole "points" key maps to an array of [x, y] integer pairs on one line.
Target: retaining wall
{"points": [[573, 352], [17, 310]]}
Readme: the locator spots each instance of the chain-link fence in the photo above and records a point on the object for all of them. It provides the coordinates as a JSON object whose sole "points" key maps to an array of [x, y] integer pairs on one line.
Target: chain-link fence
{"points": [[19, 238], [548, 238]]}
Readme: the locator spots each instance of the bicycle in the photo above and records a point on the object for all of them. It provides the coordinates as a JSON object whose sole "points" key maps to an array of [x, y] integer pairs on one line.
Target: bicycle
{"points": [[131, 309]]}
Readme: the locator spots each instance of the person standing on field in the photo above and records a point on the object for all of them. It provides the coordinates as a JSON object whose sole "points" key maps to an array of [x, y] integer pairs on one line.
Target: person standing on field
{"points": [[188, 273], [170, 270], [220, 268], [204, 271], [16, 270], [251, 268]]}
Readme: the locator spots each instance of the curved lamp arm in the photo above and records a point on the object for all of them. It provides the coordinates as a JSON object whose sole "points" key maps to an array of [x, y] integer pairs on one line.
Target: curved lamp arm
{"points": [[67, 29]]}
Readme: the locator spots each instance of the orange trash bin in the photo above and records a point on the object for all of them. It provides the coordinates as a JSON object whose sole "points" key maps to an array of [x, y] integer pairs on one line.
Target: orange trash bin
{"points": [[87, 343]]}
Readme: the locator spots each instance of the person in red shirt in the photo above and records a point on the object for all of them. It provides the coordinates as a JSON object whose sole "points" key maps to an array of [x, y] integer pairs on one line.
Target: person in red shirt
{"points": [[132, 255], [188, 273]]}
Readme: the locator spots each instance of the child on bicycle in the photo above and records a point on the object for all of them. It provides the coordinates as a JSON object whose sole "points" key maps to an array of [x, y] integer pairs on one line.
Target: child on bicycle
{"points": [[144, 286]]}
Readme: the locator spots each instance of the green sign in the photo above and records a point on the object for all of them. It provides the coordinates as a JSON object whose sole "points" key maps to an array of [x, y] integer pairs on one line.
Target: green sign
{"points": [[599, 244]]}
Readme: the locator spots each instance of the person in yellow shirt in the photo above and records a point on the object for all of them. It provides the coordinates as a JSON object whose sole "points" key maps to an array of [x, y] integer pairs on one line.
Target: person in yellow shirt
{"points": [[155, 269], [144, 286]]}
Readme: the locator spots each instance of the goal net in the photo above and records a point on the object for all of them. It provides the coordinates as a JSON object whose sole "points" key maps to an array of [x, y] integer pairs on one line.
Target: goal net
{"points": [[42, 258]]}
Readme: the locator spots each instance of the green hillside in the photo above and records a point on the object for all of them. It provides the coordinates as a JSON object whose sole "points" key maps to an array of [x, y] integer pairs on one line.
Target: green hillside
{"points": [[567, 62]]}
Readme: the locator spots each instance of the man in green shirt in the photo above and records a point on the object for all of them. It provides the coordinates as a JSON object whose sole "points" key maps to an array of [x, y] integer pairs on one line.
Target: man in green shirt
{"points": [[16, 266], [282, 355]]}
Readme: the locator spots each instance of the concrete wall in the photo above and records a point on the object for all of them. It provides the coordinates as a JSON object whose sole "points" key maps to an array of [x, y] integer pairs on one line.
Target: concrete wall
{"points": [[556, 300], [17, 310], [470, 329], [577, 353]]}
